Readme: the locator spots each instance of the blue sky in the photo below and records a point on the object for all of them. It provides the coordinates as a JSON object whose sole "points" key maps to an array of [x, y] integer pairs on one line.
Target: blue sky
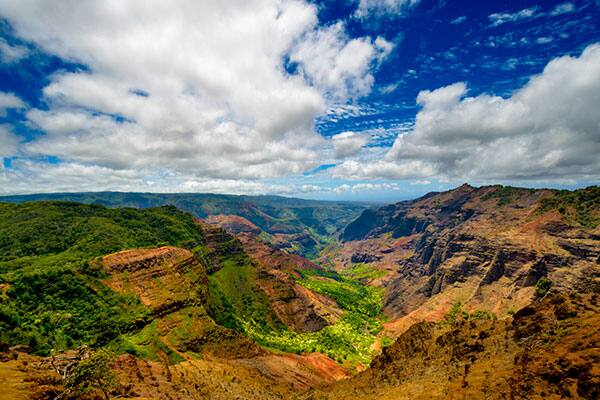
{"points": [[358, 100]]}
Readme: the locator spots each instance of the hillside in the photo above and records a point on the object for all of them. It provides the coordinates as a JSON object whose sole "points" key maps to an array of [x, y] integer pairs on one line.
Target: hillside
{"points": [[489, 248], [549, 350], [296, 225], [52, 298], [159, 286]]}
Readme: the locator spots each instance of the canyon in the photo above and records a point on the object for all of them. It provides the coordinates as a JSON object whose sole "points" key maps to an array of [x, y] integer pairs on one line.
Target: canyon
{"points": [[478, 292]]}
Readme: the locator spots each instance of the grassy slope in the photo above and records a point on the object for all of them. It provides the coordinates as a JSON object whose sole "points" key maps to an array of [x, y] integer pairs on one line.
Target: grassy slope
{"points": [[581, 206], [238, 303], [50, 298]]}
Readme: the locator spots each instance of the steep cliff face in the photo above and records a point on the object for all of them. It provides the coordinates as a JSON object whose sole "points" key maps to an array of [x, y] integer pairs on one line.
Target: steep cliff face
{"points": [[486, 247], [549, 350]]}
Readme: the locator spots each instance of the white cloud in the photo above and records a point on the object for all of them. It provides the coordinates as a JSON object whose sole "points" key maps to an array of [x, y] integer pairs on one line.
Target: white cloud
{"points": [[338, 65], [497, 19], [459, 20], [8, 101], [27, 176], [547, 130], [219, 105], [11, 53], [381, 7], [563, 8], [363, 187], [387, 89], [347, 144], [544, 40], [8, 142]]}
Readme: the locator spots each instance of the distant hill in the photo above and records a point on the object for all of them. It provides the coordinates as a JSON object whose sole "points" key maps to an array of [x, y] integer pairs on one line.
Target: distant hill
{"points": [[300, 226]]}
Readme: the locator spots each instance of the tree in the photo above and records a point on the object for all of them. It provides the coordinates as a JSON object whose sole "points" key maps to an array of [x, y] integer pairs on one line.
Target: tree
{"points": [[91, 374]]}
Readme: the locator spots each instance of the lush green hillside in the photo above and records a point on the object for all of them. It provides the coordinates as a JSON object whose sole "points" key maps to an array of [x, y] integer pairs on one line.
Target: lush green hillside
{"points": [[49, 296], [239, 304], [53, 298], [307, 224]]}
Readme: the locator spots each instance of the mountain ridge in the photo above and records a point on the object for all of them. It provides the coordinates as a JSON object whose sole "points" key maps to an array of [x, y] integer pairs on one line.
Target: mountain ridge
{"points": [[304, 226]]}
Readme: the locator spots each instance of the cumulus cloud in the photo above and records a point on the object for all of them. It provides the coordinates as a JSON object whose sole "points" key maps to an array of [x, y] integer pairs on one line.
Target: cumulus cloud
{"points": [[547, 130], [380, 7], [347, 144], [8, 141], [337, 65], [192, 88], [27, 176]]}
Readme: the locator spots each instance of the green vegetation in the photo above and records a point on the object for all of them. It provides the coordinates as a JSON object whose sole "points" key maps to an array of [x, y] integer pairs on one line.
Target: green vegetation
{"points": [[237, 303], [386, 341], [361, 272], [542, 287], [145, 344], [349, 294], [581, 206], [456, 314], [57, 234], [92, 374], [314, 222], [506, 195], [51, 298], [61, 309], [235, 298]]}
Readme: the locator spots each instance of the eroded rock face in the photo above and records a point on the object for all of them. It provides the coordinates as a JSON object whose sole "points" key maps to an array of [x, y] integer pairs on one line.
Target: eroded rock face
{"points": [[297, 307], [548, 350], [486, 247], [165, 279]]}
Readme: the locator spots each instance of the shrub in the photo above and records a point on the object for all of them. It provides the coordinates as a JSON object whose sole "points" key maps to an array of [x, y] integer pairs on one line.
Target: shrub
{"points": [[542, 287], [92, 374]]}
